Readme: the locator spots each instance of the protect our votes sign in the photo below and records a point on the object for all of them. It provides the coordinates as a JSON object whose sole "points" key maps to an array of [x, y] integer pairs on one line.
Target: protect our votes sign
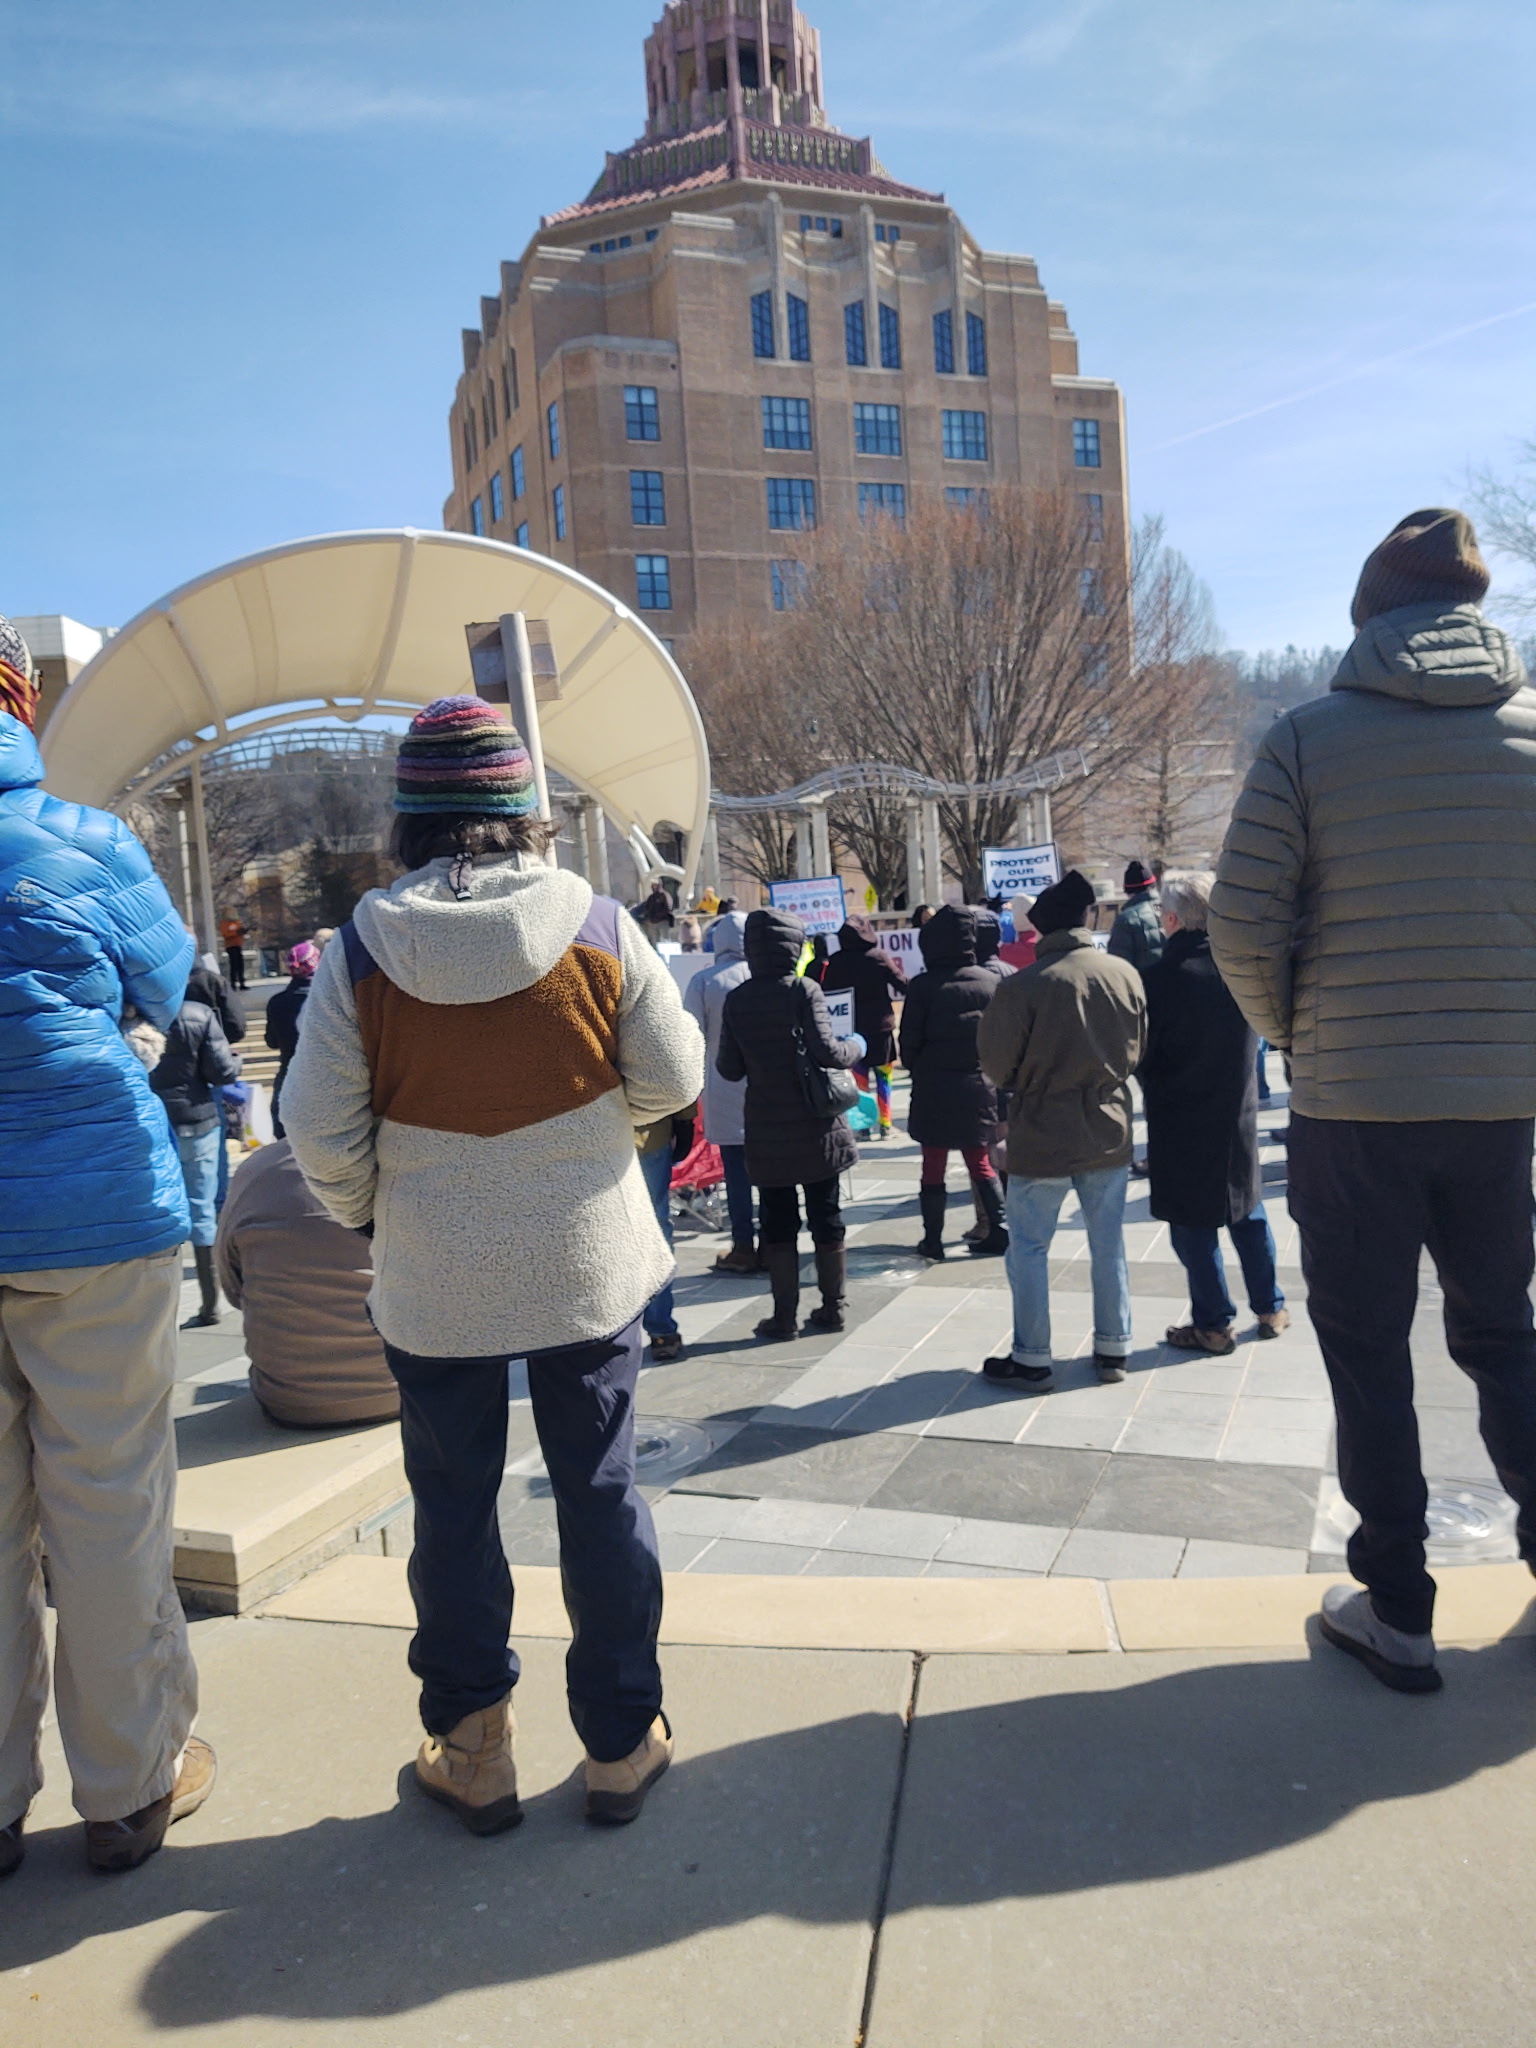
{"points": [[817, 900], [1019, 870]]}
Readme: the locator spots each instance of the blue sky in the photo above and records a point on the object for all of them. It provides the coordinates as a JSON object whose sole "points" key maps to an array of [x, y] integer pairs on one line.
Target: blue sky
{"points": [[241, 244]]}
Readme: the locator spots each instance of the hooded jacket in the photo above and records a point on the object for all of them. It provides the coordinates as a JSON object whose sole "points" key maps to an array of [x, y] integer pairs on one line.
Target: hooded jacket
{"points": [[88, 1172], [953, 1103], [1137, 933], [196, 1061], [469, 1079], [876, 982], [1200, 1084], [1375, 904], [704, 1000], [787, 1145]]}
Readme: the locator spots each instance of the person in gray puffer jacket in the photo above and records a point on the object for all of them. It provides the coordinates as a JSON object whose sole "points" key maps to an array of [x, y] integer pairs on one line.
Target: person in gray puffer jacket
{"points": [[1375, 916], [725, 1102]]}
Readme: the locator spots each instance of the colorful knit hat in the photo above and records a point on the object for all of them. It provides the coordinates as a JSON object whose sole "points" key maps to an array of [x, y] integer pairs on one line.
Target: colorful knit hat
{"points": [[462, 758], [303, 958], [18, 681]]}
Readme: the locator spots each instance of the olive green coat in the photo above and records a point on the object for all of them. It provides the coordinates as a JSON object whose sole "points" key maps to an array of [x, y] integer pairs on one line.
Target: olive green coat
{"points": [[1375, 903]]}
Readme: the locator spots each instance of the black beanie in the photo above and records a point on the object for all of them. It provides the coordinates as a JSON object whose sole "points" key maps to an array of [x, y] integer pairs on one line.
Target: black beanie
{"points": [[1431, 557], [1137, 877], [1063, 906]]}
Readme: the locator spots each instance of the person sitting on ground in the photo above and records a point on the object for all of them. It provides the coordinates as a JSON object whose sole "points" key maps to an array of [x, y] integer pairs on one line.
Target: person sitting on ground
{"points": [[772, 1024], [1137, 933], [877, 984], [725, 1101], [1063, 1038], [285, 1012], [481, 1043], [954, 1105], [1199, 1084], [196, 1064], [301, 1281]]}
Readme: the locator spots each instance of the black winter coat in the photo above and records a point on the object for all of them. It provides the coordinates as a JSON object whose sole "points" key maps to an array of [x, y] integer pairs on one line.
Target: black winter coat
{"points": [[196, 1060], [204, 986], [786, 1145], [953, 1103], [1200, 1083], [876, 982], [283, 1018]]}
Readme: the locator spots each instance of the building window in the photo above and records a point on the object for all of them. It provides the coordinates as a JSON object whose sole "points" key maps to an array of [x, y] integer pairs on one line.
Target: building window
{"points": [[1093, 515], [519, 474], [887, 501], [854, 338], [960, 495], [498, 504], [651, 234], [786, 423], [890, 339], [886, 234], [877, 429], [521, 535], [835, 230], [626, 241], [647, 498], [469, 446], [944, 343], [653, 582], [559, 505], [799, 329], [975, 344], [510, 391], [806, 223], [791, 504], [789, 583], [762, 324], [1091, 592], [553, 417], [477, 515], [965, 437], [1085, 443], [642, 413]]}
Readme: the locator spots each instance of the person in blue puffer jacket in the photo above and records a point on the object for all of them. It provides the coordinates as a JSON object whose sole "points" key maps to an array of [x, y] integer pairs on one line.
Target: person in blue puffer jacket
{"points": [[92, 1217]]}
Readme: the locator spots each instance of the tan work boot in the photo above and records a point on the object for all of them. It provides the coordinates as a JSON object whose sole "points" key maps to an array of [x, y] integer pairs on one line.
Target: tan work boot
{"points": [[1272, 1325], [471, 1770], [616, 1792], [112, 1845]]}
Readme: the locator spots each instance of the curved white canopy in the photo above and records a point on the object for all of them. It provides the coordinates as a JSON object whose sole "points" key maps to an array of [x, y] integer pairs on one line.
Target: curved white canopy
{"points": [[357, 624]]}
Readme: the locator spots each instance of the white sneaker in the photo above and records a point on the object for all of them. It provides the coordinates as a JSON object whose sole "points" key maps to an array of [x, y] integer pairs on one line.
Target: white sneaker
{"points": [[1404, 1662]]}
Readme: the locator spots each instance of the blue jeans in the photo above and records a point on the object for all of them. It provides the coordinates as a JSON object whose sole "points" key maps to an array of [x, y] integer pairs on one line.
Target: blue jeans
{"points": [[657, 1168], [453, 1425], [1033, 1208], [198, 1152], [1263, 1070], [738, 1195], [1198, 1251]]}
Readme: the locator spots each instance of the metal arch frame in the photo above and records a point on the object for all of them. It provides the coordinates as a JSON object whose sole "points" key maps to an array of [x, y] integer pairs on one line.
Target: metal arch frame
{"points": [[199, 750], [1072, 765]]}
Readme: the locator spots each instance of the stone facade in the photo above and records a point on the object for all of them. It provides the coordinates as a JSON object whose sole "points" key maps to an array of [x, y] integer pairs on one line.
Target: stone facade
{"points": [[651, 370]]}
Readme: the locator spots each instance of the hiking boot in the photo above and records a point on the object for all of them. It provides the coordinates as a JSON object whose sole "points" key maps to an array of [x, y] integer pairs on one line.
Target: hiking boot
{"points": [[990, 1196], [666, 1347], [1404, 1662], [932, 1202], [832, 1279], [1216, 1343], [741, 1258], [208, 1290], [1008, 1371], [12, 1848], [1111, 1371], [471, 1770], [783, 1263], [616, 1792], [112, 1845], [1273, 1325]]}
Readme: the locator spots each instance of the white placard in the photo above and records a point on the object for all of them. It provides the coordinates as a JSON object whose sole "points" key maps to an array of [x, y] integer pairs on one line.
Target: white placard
{"points": [[901, 946], [817, 900], [1019, 870], [1101, 940], [839, 1002], [684, 966]]}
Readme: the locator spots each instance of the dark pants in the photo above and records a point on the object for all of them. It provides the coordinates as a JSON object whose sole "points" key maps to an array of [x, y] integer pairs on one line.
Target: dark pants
{"points": [[779, 1213], [1198, 1251], [236, 958], [1368, 1198], [738, 1195], [453, 1422]]}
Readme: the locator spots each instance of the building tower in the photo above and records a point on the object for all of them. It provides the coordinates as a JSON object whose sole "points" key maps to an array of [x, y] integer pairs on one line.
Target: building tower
{"points": [[748, 328]]}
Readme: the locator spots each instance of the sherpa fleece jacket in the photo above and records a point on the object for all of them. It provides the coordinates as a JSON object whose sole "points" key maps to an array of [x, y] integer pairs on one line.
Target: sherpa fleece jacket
{"points": [[469, 1080]]}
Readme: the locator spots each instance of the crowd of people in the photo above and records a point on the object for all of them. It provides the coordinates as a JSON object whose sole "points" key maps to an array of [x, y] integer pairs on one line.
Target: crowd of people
{"points": [[489, 1072]]}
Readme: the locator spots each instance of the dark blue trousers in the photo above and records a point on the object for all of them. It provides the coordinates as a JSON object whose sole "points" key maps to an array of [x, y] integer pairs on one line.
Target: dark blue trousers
{"points": [[453, 1422]]}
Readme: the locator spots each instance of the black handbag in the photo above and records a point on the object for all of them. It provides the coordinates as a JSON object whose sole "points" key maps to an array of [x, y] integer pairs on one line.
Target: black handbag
{"points": [[828, 1091]]}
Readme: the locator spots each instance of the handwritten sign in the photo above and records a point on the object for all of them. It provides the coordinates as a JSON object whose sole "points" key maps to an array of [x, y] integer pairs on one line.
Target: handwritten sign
{"points": [[817, 900], [1019, 870]]}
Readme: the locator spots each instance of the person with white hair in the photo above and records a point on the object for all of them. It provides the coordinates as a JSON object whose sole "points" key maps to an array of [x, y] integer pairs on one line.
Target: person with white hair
{"points": [[1199, 1082]]}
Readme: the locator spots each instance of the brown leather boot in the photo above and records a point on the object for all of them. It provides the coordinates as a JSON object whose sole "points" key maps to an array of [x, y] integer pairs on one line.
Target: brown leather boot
{"points": [[616, 1792], [783, 1263], [471, 1770], [124, 1844]]}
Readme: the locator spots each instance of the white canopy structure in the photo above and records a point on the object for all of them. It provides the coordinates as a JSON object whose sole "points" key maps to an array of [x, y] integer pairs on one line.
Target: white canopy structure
{"points": [[355, 625]]}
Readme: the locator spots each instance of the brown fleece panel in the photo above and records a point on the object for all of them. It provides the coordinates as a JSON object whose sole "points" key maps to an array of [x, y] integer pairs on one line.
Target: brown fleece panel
{"points": [[489, 1068]]}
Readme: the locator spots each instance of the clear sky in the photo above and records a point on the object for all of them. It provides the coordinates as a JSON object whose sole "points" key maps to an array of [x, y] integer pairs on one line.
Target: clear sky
{"points": [[240, 244]]}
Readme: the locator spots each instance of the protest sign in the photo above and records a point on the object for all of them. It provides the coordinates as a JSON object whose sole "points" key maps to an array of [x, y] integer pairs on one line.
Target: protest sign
{"points": [[901, 946], [1019, 870], [839, 1002], [817, 900]]}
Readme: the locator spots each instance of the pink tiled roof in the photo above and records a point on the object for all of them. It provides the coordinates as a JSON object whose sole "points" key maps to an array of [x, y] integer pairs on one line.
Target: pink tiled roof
{"points": [[724, 174]]}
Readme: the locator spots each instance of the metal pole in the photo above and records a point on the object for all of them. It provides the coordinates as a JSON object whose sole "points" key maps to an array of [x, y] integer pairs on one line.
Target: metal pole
{"points": [[821, 841], [599, 842], [524, 704], [184, 850], [914, 854], [803, 868], [709, 858], [1044, 802], [932, 860], [204, 863]]}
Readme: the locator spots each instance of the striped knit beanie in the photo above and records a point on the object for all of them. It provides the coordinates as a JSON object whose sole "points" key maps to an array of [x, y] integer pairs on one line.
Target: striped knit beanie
{"points": [[18, 680], [462, 758]]}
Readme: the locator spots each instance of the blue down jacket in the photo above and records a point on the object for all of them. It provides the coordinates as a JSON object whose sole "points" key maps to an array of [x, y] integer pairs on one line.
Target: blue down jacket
{"points": [[88, 1171]]}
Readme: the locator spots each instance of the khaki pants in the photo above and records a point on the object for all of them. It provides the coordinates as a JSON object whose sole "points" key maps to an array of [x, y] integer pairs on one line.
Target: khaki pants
{"points": [[88, 1474]]}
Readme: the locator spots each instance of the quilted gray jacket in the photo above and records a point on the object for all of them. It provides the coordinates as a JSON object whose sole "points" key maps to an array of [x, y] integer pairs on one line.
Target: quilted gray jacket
{"points": [[1375, 902]]}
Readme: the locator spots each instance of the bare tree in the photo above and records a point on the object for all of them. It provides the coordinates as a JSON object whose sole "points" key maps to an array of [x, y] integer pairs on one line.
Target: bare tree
{"points": [[1506, 510]]}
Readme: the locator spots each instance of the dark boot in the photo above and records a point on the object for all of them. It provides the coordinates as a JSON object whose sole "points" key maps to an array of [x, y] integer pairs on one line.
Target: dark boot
{"points": [[832, 1279], [932, 1203], [995, 1243], [208, 1286], [783, 1263]]}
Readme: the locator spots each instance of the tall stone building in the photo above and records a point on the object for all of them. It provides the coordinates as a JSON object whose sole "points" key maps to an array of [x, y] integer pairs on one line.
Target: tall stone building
{"points": [[749, 328]]}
